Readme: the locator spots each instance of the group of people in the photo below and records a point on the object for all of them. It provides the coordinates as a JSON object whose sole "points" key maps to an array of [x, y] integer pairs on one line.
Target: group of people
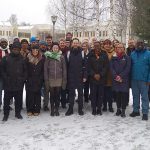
{"points": [[101, 71]]}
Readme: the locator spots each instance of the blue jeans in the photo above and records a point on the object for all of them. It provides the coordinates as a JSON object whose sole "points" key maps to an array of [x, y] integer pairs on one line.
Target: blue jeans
{"points": [[1, 88], [140, 88]]}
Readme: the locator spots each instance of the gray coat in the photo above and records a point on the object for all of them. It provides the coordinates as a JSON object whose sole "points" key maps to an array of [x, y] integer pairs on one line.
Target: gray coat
{"points": [[55, 72]]}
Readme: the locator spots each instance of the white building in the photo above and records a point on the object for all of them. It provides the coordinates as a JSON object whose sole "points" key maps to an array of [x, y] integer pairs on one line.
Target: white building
{"points": [[6, 30]]}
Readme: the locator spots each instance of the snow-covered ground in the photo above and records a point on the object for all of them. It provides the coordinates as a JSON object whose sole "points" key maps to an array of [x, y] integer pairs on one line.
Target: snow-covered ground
{"points": [[106, 132]]}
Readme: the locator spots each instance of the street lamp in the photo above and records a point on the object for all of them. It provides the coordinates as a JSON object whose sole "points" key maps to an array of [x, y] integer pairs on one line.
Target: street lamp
{"points": [[54, 19]]}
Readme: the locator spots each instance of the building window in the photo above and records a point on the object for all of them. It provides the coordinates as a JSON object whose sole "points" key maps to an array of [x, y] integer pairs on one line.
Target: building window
{"points": [[100, 33], [106, 33], [0, 32], [103, 33], [93, 33], [9, 33], [3, 33]]}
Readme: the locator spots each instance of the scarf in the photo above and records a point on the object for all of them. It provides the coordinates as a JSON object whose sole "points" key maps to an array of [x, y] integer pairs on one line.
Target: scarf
{"points": [[24, 53], [53, 55], [34, 60], [120, 55]]}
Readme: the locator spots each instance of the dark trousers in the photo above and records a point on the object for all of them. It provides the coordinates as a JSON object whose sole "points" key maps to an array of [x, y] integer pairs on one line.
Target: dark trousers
{"points": [[8, 95], [121, 100], [86, 91], [108, 97], [33, 101], [55, 96], [72, 96], [64, 97], [97, 95]]}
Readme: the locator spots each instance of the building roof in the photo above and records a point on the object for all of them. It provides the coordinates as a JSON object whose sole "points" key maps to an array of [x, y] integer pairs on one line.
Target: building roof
{"points": [[5, 23]]}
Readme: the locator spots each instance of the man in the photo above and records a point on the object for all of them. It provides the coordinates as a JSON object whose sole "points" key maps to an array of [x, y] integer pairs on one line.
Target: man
{"points": [[131, 47], [97, 68], [76, 76], [49, 41], [14, 73], [24, 48], [69, 36], [43, 46], [3, 52], [140, 79], [64, 92]]}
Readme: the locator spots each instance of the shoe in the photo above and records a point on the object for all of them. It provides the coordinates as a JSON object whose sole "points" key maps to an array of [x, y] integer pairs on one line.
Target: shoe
{"points": [[104, 109], [135, 114], [94, 112], [69, 111], [145, 117], [118, 113], [57, 112], [30, 114], [18, 116], [10, 108], [99, 112], [123, 115], [52, 111], [81, 113], [64, 106], [46, 108], [111, 110], [36, 114], [5, 118]]}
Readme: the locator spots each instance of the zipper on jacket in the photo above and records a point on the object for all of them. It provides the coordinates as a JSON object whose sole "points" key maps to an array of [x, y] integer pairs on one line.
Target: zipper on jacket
{"points": [[55, 69]]}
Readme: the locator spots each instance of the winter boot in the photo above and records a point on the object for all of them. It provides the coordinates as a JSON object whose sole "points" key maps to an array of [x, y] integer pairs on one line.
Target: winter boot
{"points": [[56, 112], [94, 112], [52, 111], [5, 118], [18, 116], [145, 117], [123, 115], [69, 111], [99, 112], [134, 114], [118, 113]]}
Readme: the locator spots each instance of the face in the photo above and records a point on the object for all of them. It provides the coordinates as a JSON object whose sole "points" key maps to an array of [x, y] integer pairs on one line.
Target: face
{"points": [[67, 44], [94, 40], [69, 36], [4, 44], [84, 47], [120, 49], [24, 45], [33, 43], [55, 48], [49, 41], [96, 46], [131, 44], [62, 44], [140, 45], [107, 46], [75, 44], [35, 52], [16, 50], [43, 47]]}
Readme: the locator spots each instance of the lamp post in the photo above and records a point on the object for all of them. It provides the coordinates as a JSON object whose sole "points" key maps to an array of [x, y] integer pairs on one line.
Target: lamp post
{"points": [[54, 19]]}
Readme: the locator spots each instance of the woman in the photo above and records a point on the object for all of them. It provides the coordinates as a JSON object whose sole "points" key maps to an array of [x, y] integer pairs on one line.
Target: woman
{"points": [[35, 67], [55, 76], [120, 68]]}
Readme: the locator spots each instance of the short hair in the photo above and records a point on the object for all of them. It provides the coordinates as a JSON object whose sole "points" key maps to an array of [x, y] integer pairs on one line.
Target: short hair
{"points": [[62, 39], [49, 37], [24, 41], [75, 39]]}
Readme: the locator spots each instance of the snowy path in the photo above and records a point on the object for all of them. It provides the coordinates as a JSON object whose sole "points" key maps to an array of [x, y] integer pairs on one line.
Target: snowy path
{"points": [[106, 132]]}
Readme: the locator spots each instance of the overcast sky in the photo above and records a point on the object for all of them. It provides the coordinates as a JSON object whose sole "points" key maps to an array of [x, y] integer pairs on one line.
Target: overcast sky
{"points": [[30, 11]]}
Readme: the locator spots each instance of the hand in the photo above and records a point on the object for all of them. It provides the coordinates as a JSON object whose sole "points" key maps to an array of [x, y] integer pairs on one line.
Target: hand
{"points": [[97, 77], [118, 78], [84, 80], [148, 83]]}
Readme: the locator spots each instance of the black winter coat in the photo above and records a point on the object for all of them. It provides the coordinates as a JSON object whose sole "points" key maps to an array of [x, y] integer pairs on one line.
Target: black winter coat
{"points": [[35, 76], [98, 66], [76, 68], [14, 72]]}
